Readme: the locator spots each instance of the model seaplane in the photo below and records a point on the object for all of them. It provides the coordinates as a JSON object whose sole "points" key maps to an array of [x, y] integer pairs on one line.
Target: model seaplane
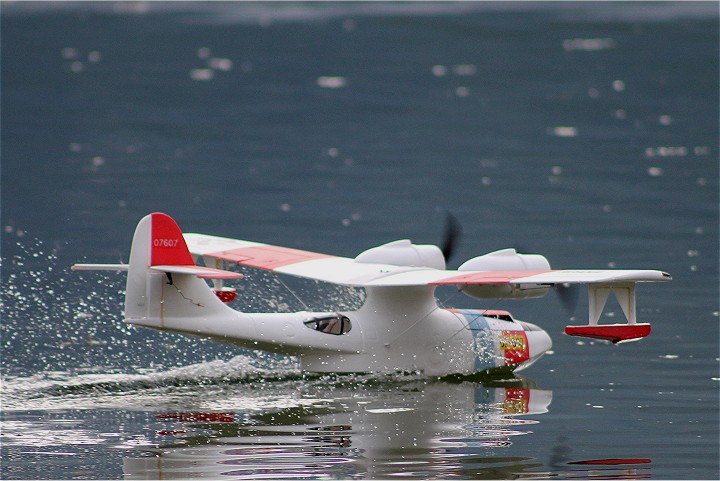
{"points": [[399, 327]]}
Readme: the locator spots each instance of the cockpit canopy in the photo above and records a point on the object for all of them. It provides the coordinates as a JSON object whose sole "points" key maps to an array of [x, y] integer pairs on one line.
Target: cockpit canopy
{"points": [[332, 324], [498, 314]]}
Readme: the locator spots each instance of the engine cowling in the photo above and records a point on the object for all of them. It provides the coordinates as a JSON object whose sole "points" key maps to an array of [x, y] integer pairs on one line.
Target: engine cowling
{"points": [[404, 253], [502, 261]]}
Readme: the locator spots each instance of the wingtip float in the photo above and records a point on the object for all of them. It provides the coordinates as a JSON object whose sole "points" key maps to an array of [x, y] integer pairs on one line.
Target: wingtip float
{"points": [[400, 326]]}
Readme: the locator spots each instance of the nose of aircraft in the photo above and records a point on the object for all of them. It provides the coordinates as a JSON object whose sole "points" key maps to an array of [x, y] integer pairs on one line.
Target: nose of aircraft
{"points": [[539, 341]]}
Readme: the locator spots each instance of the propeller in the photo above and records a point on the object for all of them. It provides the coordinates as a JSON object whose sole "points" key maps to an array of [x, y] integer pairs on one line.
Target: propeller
{"points": [[568, 295], [451, 235]]}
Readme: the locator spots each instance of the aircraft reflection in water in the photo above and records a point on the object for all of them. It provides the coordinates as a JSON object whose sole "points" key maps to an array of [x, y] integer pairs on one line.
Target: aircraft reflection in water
{"points": [[417, 429]]}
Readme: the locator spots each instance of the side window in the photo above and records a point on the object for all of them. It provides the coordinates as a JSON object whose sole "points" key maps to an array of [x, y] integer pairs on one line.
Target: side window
{"points": [[336, 324], [502, 317]]}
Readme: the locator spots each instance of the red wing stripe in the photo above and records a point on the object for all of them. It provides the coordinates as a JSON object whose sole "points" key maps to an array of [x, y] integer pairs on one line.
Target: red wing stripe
{"points": [[267, 256], [491, 277]]}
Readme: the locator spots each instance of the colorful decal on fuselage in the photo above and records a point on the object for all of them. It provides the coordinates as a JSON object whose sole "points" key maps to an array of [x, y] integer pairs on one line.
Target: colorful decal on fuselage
{"points": [[515, 346], [497, 342]]}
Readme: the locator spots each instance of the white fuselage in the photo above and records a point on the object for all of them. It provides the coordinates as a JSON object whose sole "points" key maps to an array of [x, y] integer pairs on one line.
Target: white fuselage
{"points": [[395, 330]]}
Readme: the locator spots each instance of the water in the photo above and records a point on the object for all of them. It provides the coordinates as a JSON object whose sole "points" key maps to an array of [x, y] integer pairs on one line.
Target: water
{"points": [[587, 132]]}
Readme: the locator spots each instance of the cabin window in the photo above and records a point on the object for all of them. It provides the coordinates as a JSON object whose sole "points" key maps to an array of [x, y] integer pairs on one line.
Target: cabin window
{"points": [[502, 317], [335, 324]]}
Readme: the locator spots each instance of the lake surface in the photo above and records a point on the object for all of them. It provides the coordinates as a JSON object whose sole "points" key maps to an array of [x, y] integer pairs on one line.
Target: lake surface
{"points": [[586, 132]]}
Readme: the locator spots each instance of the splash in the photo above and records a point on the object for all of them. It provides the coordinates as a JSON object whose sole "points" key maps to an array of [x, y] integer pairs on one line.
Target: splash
{"points": [[55, 320], [50, 320], [85, 390]]}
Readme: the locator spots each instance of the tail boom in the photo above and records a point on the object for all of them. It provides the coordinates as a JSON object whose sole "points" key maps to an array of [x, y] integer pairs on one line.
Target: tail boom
{"points": [[167, 291]]}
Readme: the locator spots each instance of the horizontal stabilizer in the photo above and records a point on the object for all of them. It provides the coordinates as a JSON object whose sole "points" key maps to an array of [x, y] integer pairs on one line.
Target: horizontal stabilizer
{"points": [[199, 271], [100, 267], [611, 332]]}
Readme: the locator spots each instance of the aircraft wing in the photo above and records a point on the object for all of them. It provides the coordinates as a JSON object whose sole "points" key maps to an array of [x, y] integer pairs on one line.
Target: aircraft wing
{"points": [[295, 262], [554, 277], [344, 270], [518, 277]]}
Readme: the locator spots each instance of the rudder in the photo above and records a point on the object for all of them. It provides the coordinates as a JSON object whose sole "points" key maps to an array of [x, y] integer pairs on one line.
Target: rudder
{"points": [[162, 280], [167, 244]]}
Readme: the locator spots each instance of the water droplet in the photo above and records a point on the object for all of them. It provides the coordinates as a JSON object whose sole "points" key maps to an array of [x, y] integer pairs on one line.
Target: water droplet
{"points": [[202, 74], [69, 53], [222, 64], [489, 163], [349, 25], [332, 82], [666, 151], [564, 131], [464, 70], [439, 70], [462, 92], [588, 44]]}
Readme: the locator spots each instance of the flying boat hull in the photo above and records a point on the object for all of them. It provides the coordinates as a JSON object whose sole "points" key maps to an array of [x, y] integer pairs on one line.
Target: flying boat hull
{"points": [[400, 326]]}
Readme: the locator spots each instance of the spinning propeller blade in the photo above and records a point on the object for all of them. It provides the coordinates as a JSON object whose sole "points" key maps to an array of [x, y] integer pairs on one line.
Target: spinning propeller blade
{"points": [[568, 295], [451, 235]]}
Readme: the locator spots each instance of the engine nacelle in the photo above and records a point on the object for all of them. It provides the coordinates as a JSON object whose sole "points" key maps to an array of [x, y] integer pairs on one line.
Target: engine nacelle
{"points": [[506, 260], [404, 253], [503, 261]]}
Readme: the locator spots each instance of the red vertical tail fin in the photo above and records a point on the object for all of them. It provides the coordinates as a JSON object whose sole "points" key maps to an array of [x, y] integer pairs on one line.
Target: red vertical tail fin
{"points": [[163, 280], [167, 244]]}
